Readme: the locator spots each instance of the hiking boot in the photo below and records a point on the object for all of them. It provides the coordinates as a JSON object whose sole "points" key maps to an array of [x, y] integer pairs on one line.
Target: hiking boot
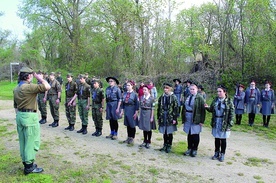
{"points": [[221, 157], [84, 129], [194, 153], [68, 127], [169, 148], [94, 134], [188, 152], [131, 140], [164, 148], [72, 128], [109, 136], [51, 124], [127, 140], [32, 169], [147, 145], [216, 156], [81, 130], [114, 137], [55, 124], [43, 121], [142, 145], [99, 133]]}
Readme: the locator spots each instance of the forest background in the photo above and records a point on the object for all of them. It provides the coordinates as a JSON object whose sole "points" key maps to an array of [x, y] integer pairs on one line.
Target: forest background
{"points": [[219, 42]]}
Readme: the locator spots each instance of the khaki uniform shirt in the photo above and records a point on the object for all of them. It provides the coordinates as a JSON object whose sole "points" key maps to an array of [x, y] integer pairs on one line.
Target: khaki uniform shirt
{"points": [[83, 91], [25, 95], [71, 89], [55, 87]]}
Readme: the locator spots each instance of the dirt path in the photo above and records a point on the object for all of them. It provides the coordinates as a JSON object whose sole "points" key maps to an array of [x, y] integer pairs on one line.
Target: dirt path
{"points": [[243, 150]]}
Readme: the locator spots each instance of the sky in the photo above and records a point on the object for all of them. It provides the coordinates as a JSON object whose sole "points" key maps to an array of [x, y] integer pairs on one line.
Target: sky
{"points": [[10, 20]]}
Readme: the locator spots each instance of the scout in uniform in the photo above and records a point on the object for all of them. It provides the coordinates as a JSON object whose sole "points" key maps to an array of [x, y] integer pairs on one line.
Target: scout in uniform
{"points": [[71, 89], [267, 101], [239, 103], [252, 101], [178, 92], [167, 111], [28, 127], [97, 108], [42, 102], [59, 78], [83, 95], [113, 103], [54, 98]]}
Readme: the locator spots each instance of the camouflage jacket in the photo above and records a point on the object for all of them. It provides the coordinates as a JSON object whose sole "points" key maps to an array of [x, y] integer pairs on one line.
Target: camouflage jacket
{"points": [[228, 114], [169, 105]]}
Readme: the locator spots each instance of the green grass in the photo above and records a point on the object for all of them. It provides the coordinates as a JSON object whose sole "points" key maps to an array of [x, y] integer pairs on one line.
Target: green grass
{"points": [[6, 92], [258, 162]]}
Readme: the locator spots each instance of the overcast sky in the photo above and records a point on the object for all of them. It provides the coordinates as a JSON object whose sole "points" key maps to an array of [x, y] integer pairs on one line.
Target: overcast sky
{"points": [[10, 21]]}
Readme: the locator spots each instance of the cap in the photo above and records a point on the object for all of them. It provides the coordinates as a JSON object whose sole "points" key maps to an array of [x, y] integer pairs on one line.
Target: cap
{"points": [[268, 82], [81, 76], [131, 82], [188, 81], [200, 87], [167, 84], [69, 75], [58, 72], [26, 69], [114, 78], [52, 73], [86, 73], [177, 80], [148, 87]]}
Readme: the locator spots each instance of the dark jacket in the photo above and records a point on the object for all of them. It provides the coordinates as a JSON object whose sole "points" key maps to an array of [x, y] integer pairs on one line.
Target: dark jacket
{"points": [[228, 116], [199, 112]]}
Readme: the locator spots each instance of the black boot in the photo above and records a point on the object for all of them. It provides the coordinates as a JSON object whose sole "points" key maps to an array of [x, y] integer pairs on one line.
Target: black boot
{"points": [[216, 156], [68, 127], [95, 133], [84, 129], [99, 132], [43, 120], [72, 128], [31, 168], [51, 124], [81, 130], [55, 124]]}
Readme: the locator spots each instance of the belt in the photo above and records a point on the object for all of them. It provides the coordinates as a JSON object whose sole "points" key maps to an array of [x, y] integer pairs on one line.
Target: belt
{"points": [[251, 97], [26, 110], [146, 108], [189, 111], [219, 116]]}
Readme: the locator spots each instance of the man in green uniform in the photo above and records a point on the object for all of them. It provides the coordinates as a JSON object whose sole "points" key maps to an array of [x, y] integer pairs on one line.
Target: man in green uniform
{"points": [[71, 89], [42, 102], [54, 99], [83, 95], [97, 107], [28, 128], [59, 78]]}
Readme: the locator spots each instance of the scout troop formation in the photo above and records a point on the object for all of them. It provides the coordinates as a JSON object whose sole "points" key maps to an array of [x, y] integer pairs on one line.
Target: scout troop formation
{"points": [[139, 106]]}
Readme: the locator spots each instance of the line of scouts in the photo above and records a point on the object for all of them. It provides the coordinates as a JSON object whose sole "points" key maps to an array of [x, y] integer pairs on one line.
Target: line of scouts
{"points": [[138, 108]]}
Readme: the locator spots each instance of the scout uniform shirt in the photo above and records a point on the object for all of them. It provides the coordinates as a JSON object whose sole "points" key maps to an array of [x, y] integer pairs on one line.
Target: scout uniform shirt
{"points": [[97, 97], [83, 91], [55, 87], [25, 95], [71, 89]]}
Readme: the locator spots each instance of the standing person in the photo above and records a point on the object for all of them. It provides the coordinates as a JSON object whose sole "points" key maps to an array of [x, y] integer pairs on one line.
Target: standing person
{"points": [[239, 103], [167, 111], [146, 116], [222, 109], [42, 104], [97, 107], [59, 78], [71, 89], [252, 101], [267, 101], [130, 108], [54, 99], [186, 90], [113, 104], [202, 92], [153, 90], [28, 127], [83, 103], [193, 119], [140, 90], [178, 91], [125, 86], [87, 80]]}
